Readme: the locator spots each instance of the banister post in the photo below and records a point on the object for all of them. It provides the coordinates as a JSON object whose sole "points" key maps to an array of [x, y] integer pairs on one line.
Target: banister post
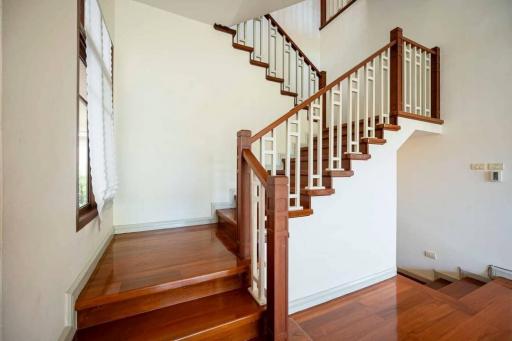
{"points": [[277, 258], [243, 196], [322, 82], [396, 67], [435, 82], [323, 12]]}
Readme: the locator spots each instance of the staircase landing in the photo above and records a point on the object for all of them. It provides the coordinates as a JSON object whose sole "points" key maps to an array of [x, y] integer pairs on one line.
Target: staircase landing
{"points": [[168, 284]]}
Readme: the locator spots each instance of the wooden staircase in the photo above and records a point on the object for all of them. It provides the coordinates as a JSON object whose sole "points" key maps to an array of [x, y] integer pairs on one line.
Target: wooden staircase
{"points": [[181, 284]]}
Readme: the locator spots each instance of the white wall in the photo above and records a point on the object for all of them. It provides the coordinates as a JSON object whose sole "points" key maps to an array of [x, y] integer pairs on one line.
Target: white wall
{"points": [[1, 179], [181, 94], [42, 253], [301, 21], [443, 206], [350, 240]]}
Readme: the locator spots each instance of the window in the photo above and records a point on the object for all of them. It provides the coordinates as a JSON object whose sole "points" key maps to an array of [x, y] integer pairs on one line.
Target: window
{"points": [[86, 204]]}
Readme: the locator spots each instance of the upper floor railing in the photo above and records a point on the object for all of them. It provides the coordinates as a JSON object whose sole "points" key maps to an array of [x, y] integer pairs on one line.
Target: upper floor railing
{"points": [[401, 79], [330, 9], [286, 63]]}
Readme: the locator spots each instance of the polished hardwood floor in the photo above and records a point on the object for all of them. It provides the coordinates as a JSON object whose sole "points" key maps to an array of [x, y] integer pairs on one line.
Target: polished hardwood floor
{"points": [[401, 309]]}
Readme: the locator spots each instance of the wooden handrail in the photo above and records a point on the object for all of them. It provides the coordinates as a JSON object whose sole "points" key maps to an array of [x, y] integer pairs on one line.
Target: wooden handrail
{"points": [[323, 13], [294, 46], [418, 45], [321, 92], [256, 166]]}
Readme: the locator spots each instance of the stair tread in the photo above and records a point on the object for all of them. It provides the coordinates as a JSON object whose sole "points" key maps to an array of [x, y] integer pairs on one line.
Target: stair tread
{"points": [[461, 287], [144, 263], [243, 47], [193, 318], [259, 63], [438, 283], [228, 214]]}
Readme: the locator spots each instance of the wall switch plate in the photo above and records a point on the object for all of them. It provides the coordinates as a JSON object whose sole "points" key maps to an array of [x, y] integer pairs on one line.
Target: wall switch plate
{"points": [[495, 176], [495, 166], [430, 254], [477, 166]]}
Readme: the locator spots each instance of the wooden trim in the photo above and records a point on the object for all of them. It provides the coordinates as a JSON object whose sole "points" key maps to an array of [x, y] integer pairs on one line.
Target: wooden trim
{"points": [[290, 40], [322, 84], [396, 64], [321, 92], [416, 117], [224, 29], [435, 101], [418, 45], [243, 195], [277, 259], [324, 14]]}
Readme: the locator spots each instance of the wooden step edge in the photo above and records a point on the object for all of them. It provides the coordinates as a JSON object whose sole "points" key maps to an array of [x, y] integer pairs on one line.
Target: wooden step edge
{"points": [[212, 332], [373, 140], [258, 63], [274, 79], [224, 29], [242, 267], [389, 127], [339, 173], [288, 93], [354, 156], [416, 117], [242, 47], [317, 192], [228, 215], [300, 213]]}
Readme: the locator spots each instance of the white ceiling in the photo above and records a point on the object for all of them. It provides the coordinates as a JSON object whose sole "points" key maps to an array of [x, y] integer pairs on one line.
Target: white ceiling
{"points": [[225, 12]]}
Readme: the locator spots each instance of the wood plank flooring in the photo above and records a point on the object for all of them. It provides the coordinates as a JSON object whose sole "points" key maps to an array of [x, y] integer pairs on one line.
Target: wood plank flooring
{"points": [[401, 309], [141, 263]]}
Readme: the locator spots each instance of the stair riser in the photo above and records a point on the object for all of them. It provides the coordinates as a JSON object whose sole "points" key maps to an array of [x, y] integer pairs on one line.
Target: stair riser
{"points": [[122, 309]]}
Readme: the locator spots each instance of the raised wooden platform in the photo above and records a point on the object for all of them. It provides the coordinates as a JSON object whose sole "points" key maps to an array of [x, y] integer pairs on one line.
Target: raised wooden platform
{"points": [[402, 309]]}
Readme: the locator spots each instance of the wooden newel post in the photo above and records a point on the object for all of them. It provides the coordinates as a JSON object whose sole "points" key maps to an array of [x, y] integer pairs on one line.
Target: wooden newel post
{"points": [[243, 195], [277, 258], [323, 12], [322, 82], [395, 80], [436, 83]]}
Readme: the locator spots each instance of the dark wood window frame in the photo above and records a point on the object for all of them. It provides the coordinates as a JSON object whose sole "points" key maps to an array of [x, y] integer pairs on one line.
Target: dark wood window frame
{"points": [[84, 214]]}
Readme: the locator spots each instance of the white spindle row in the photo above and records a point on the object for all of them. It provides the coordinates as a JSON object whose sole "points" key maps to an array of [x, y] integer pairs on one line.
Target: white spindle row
{"points": [[283, 59], [416, 80]]}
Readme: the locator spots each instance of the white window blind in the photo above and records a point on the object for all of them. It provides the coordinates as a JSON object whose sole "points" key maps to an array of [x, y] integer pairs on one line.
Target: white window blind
{"points": [[100, 106]]}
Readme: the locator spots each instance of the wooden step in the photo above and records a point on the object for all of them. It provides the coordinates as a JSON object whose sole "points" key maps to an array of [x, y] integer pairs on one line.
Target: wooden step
{"points": [[291, 214], [243, 47], [274, 79], [227, 229], [147, 271], [438, 283], [225, 29], [232, 315], [288, 93], [461, 287], [258, 63]]}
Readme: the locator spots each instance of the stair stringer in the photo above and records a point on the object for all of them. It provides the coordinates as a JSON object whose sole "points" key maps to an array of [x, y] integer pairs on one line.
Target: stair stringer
{"points": [[350, 241]]}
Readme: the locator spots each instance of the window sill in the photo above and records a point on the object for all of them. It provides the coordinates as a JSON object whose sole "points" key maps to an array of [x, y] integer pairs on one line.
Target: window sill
{"points": [[85, 216]]}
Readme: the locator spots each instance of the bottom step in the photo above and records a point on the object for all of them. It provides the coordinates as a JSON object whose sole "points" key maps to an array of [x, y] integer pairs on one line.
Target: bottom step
{"points": [[232, 315]]}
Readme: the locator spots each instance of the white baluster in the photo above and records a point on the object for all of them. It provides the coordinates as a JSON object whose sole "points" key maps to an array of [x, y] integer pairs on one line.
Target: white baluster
{"points": [[369, 108], [384, 87], [257, 32], [299, 83], [315, 117], [353, 138], [417, 81], [427, 85], [272, 50], [258, 241], [336, 125], [287, 65], [293, 133]]}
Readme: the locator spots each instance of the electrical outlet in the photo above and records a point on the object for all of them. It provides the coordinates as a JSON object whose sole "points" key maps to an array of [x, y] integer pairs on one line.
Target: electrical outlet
{"points": [[495, 166], [477, 166], [430, 254]]}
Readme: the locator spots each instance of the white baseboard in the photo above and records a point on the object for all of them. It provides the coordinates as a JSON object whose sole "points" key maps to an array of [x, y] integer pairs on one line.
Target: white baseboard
{"points": [[76, 287], [169, 224], [338, 291]]}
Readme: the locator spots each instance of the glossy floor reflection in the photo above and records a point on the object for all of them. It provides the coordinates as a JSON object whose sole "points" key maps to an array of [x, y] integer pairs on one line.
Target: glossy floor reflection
{"points": [[401, 309]]}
